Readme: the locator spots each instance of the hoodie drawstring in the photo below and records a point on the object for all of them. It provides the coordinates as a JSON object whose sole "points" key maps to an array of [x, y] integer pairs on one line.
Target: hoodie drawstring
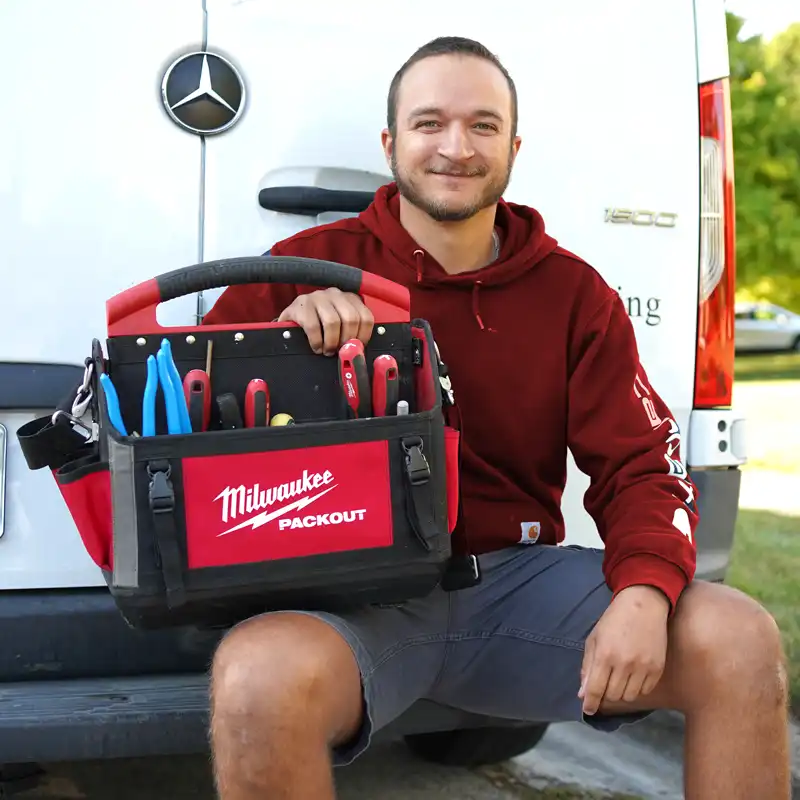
{"points": [[418, 256], [475, 305], [476, 309]]}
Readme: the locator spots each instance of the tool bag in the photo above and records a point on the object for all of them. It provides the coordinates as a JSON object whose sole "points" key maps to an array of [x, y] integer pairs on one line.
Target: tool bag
{"points": [[210, 526]]}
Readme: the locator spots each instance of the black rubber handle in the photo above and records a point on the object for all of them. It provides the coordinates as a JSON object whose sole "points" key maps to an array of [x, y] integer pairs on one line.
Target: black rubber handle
{"points": [[133, 311], [308, 201], [257, 269]]}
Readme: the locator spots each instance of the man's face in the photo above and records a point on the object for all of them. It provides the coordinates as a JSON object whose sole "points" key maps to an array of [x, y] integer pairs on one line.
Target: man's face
{"points": [[453, 151]]}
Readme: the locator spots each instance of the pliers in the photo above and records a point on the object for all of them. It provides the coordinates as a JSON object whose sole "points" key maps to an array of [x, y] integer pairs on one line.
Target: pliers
{"points": [[161, 369]]}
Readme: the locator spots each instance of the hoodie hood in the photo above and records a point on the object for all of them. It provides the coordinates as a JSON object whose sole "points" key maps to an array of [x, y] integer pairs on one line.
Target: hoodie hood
{"points": [[523, 244]]}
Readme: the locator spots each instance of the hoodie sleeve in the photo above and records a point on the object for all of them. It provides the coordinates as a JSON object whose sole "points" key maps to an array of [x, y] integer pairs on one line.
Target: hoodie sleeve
{"points": [[258, 302], [623, 436]]}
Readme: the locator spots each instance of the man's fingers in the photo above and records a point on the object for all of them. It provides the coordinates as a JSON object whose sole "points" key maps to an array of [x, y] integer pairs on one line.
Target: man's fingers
{"points": [[329, 318], [366, 321], [634, 686], [303, 312], [586, 665], [595, 685], [617, 683], [331, 323], [651, 680], [347, 306]]}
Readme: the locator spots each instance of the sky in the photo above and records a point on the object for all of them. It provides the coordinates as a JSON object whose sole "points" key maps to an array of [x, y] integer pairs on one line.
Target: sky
{"points": [[765, 17]]}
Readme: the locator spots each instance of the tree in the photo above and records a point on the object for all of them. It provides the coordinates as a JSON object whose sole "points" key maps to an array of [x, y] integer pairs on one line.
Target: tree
{"points": [[765, 100]]}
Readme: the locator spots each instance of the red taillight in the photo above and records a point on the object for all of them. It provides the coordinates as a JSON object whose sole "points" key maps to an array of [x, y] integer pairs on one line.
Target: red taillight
{"points": [[715, 321]]}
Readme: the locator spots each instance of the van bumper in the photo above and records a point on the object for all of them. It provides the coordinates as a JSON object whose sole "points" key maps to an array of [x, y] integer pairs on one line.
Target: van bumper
{"points": [[77, 683], [718, 505]]}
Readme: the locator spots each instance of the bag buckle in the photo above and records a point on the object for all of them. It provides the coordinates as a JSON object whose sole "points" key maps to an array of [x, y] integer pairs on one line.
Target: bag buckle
{"points": [[462, 572], [162, 495], [73, 419], [417, 466]]}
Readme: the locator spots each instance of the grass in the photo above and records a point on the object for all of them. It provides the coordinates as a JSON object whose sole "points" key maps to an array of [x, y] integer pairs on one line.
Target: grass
{"points": [[765, 562], [767, 367], [766, 565]]}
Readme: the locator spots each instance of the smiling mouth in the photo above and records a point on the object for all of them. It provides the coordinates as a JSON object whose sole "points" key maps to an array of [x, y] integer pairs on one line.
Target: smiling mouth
{"points": [[456, 174]]}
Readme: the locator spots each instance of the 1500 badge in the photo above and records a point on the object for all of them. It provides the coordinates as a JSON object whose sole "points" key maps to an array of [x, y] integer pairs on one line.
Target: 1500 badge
{"points": [[659, 219]]}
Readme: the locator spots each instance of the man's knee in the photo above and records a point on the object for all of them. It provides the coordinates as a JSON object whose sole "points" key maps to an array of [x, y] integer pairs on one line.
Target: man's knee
{"points": [[729, 646], [287, 670]]}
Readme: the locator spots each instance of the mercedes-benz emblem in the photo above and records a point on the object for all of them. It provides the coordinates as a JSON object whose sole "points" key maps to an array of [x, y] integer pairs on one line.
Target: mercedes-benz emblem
{"points": [[203, 93]]}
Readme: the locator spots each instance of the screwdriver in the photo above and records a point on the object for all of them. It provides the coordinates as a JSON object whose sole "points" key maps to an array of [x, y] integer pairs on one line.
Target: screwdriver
{"points": [[256, 404], [354, 379], [197, 391], [385, 385]]}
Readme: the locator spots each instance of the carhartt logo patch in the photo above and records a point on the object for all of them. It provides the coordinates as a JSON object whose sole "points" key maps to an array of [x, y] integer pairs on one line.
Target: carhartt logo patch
{"points": [[530, 532]]}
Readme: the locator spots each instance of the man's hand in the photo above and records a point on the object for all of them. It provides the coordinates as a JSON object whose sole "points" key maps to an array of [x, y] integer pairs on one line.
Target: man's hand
{"points": [[329, 318], [626, 651]]}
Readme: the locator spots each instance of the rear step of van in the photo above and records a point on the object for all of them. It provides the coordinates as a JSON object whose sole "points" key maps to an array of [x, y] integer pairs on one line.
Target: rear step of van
{"points": [[103, 718]]}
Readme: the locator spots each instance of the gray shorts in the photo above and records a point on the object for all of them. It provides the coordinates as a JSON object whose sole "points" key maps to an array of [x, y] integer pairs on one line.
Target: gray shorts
{"points": [[510, 647]]}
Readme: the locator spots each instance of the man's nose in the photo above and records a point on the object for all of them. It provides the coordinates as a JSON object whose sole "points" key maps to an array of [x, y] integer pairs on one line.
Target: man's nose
{"points": [[455, 144]]}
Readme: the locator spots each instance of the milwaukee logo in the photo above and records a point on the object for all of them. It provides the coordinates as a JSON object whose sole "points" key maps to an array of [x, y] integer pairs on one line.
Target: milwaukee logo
{"points": [[241, 500]]}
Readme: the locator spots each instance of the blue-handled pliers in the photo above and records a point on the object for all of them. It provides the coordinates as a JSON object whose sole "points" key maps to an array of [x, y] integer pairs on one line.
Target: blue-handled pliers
{"points": [[112, 404], [161, 369]]}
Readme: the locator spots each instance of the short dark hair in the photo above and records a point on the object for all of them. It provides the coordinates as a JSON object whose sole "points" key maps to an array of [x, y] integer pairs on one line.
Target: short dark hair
{"points": [[447, 45]]}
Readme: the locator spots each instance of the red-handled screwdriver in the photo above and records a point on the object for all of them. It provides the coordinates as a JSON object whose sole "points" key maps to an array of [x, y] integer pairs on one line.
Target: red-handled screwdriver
{"points": [[197, 391], [354, 378], [256, 404], [385, 385]]}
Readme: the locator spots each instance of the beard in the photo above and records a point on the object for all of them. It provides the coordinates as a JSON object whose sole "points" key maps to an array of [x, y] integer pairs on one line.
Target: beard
{"points": [[452, 210]]}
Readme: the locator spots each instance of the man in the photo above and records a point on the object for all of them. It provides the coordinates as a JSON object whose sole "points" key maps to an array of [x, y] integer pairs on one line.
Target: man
{"points": [[543, 357]]}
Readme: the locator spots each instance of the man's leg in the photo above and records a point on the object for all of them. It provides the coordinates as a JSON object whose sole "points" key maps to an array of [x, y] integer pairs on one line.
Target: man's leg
{"points": [[725, 672], [294, 694], [284, 690], [516, 648]]}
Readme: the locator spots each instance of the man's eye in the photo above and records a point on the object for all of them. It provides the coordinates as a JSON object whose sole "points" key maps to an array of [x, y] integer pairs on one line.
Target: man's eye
{"points": [[427, 123], [487, 126]]}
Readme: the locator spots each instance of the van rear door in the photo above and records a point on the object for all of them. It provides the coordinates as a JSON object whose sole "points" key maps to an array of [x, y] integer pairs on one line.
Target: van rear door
{"points": [[608, 116], [98, 191]]}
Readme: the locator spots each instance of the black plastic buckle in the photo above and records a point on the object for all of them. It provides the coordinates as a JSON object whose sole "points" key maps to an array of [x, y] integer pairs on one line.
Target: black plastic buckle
{"points": [[162, 495], [462, 572], [417, 466]]}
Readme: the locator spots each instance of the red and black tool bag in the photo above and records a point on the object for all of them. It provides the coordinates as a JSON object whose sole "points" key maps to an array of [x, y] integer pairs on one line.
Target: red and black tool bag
{"points": [[212, 526]]}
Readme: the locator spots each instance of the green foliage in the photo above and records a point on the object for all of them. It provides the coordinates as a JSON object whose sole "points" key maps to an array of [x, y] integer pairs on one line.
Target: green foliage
{"points": [[765, 100]]}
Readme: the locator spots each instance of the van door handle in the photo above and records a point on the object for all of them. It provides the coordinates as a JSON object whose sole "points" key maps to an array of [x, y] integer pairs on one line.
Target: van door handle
{"points": [[308, 201]]}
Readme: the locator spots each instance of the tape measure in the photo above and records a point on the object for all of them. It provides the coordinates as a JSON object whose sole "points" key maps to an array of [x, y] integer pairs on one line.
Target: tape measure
{"points": [[281, 419]]}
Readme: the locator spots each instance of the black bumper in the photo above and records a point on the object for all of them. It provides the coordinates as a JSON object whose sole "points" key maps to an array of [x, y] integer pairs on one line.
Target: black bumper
{"points": [[77, 683]]}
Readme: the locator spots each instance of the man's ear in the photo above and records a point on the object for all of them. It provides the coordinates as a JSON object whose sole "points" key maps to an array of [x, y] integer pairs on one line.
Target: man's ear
{"points": [[388, 145]]}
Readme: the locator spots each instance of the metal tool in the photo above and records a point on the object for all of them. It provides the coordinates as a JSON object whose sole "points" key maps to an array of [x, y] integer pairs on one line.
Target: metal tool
{"points": [[177, 388], [256, 404], [197, 393], [170, 401], [149, 398], [385, 385], [112, 405], [354, 378]]}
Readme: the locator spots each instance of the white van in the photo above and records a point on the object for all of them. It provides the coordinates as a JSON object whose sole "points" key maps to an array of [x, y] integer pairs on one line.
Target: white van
{"points": [[138, 137]]}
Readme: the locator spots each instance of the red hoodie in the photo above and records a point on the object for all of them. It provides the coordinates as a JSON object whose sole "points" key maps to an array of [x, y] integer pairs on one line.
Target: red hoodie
{"points": [[542, 357]]}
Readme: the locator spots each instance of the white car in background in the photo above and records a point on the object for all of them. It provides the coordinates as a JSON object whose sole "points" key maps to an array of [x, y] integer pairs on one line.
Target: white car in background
{"points": [[762, 327]]}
